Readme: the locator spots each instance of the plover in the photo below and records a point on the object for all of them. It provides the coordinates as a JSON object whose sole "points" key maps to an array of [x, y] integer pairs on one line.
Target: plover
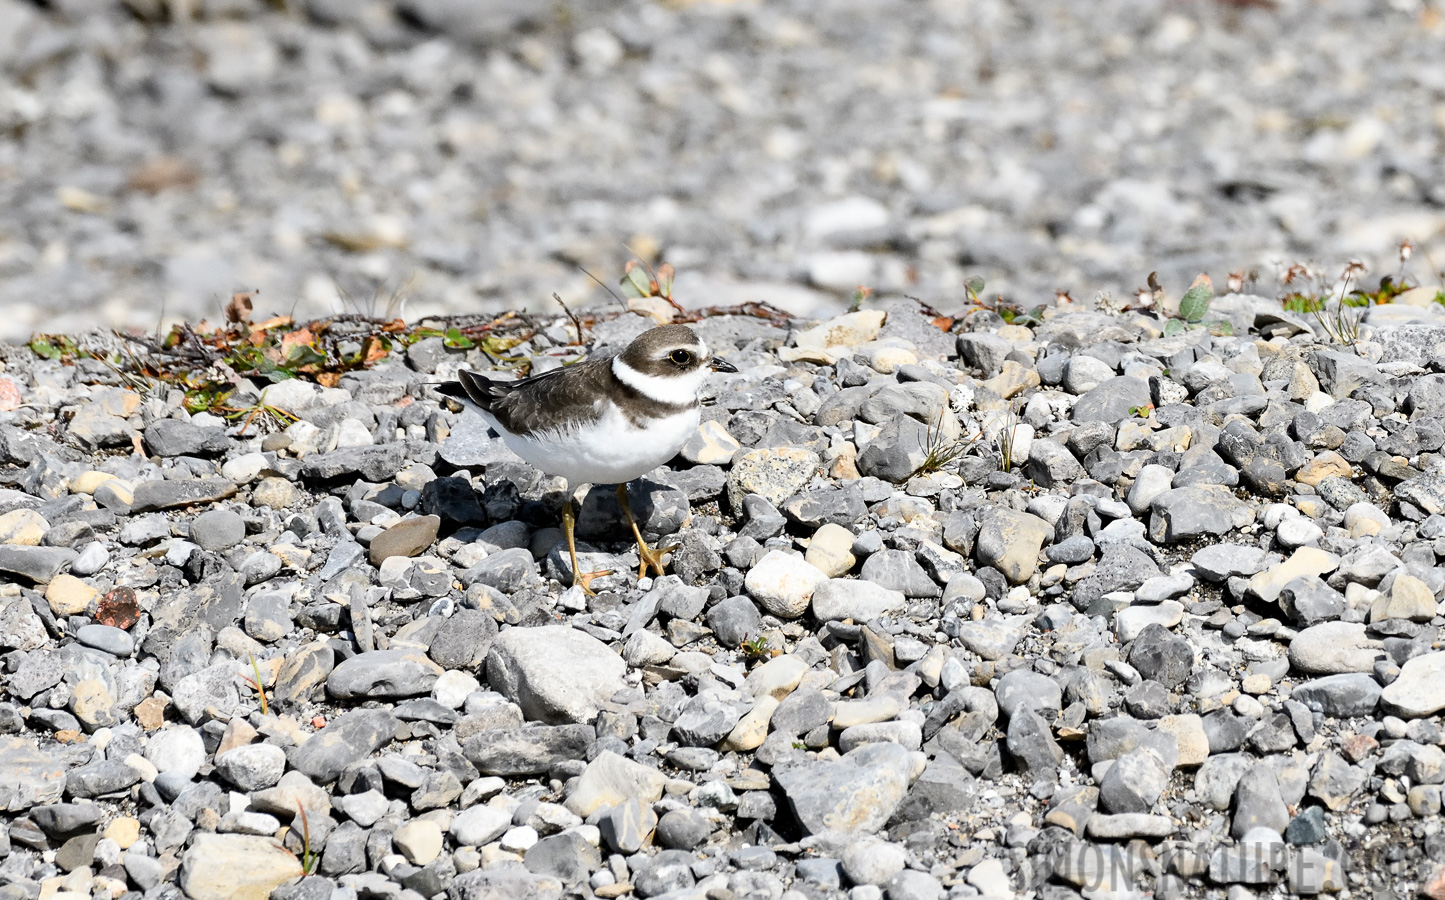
{"points": [[605, 420]]}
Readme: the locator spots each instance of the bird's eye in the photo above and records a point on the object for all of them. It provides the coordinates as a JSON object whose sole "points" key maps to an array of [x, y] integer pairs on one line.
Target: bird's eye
{"points": [[680, 357]]}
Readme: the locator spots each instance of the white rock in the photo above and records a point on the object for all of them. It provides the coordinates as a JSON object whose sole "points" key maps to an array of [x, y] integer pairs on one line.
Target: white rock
{"points": [[452, 687], [844, 598], [872, 861], [252, 767], [1134, 619], [478, 825], [176, 750], [245, 469], [1153, 481], [353, 433], [783, 583], [1417, 692], [609, 780], [1334, 648], [556, 674]]}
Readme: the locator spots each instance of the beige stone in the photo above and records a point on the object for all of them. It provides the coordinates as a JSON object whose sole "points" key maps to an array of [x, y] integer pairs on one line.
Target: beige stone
{"points": [[886, 360], [124, 830], [655, 308], [69, 596], [1176, 439], [1409, 598], [1014, 379], [409, 537], [92, 704], [847, 713], [1010, 541], [610, 779], [1133, 433], [711, 445], [1188, 731], [419, 840], [831, 550], [1325, 464], [87, 482], [23, 526], [847, 330], [778, 677], [1305, 561], [1257, 683], [274, 493], [235, 867], [844, 466], [752, 728], [151, 713], [1365, 520]]}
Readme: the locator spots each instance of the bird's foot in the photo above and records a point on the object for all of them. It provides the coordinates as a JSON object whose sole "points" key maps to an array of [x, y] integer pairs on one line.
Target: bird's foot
{"points": [[651, 558], [584, 580]]}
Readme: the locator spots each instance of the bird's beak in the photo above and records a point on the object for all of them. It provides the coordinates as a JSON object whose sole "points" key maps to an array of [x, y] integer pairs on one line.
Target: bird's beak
{"points": [[719, 364]]}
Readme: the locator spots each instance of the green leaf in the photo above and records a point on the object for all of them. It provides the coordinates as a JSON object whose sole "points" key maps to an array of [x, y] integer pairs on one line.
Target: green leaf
{"points": [[1173, 327], [636, 283], [45, 349], [975, 285], [455, 340], [301, 355], [1194, 305], [1221, 328]]}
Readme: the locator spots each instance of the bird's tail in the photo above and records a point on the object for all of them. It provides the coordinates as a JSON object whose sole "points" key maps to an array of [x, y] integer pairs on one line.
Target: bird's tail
{"points": [[470, 386]]}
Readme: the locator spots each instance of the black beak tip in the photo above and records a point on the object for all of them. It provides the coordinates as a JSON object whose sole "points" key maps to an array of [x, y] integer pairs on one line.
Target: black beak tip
{"points": [[721, 365]]}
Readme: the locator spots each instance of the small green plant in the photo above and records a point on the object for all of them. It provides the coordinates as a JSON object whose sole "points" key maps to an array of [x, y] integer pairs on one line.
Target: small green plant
{"points": [[56, 346], [756, 648], [1341, 323], [453, 339], [939, 449], [1193, 307], [1141, 412], [973, 291], [859, 295], [254, 680], [1007, 437], [308, 858]]}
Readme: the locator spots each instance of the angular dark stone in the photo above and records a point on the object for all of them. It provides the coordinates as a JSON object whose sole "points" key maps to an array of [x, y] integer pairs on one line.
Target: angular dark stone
{"points": [[39, 564], [172, 437], [453, 501], [530, 750], [375, 463], [350, 737], [155, 495]]}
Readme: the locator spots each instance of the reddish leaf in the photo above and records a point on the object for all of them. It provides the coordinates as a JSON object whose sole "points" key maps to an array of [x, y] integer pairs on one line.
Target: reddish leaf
{"points": [[118, 608]]}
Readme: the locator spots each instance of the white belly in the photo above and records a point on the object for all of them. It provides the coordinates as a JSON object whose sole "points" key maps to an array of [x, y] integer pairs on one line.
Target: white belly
{"points": [[609, 452]]}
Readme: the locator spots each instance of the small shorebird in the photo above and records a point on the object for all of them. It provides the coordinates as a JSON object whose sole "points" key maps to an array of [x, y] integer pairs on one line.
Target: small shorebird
{"points": [[605, 420]]}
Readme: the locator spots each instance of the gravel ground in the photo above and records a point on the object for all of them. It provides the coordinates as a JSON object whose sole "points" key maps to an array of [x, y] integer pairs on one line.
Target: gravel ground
{"points": [[470, 156], [1073, 607]]}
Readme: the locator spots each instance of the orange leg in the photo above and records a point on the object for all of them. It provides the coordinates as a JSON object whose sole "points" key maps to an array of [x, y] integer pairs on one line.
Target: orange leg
{"points": [[648, 556], [579, 578]]}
